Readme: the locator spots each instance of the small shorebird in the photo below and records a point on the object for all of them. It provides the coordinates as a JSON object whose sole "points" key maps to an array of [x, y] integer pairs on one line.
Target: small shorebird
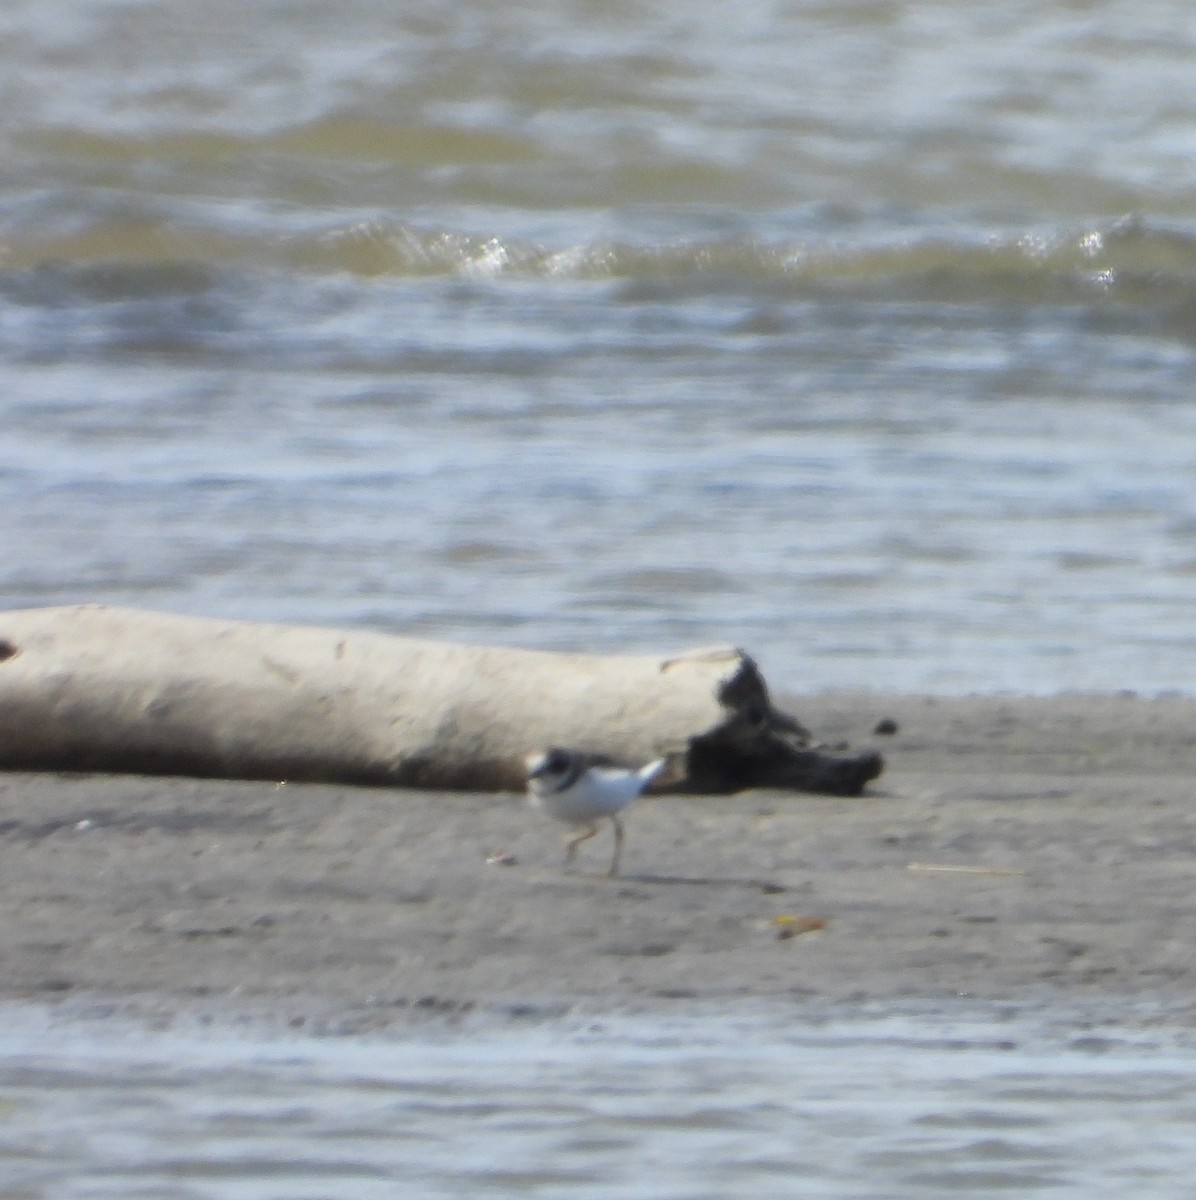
{"points": [[581, 789]]}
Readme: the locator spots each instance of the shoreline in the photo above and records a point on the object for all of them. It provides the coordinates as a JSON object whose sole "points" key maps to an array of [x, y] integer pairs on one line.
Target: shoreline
{"points": [[1016, 848]]}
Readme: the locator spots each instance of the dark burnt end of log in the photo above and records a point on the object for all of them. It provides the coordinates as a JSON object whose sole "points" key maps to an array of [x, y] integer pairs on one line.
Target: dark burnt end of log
{"points": [[761, 746], [720, 766]]}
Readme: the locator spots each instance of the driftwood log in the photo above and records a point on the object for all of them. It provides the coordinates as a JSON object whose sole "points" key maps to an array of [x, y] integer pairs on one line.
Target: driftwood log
{"points": [[99, 688]]}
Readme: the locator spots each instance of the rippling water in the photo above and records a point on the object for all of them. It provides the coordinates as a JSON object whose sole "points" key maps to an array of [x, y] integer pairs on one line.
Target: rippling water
{"points": [[702, 1106], [862, 334]]}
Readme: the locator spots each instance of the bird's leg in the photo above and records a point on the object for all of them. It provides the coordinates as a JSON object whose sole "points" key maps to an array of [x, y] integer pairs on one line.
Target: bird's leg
{"points": [[614, 862], [571, 848]]}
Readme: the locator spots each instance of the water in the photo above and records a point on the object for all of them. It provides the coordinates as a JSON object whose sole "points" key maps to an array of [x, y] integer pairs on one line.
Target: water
{"points": [[861, 334], [757, 1105]]}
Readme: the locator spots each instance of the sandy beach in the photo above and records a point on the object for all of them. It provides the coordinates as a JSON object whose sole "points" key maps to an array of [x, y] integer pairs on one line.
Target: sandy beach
{"points": [[1014, 847]]}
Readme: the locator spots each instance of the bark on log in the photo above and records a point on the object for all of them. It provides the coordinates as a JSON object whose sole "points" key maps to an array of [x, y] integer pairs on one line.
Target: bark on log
{"points": [[99, 688]]}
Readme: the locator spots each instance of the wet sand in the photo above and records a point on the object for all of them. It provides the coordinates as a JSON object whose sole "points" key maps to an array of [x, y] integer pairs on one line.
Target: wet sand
{"points": [[1014, 848]]}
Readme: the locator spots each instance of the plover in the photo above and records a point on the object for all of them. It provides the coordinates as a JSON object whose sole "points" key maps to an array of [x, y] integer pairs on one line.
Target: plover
{"points": [[581, 789]]}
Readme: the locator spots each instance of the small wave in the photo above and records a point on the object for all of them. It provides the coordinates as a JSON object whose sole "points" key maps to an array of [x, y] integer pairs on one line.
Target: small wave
{"points": [[1129, 259], [1130, 263]]}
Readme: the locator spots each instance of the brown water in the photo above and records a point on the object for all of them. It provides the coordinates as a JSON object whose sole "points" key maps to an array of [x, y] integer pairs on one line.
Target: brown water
{"points": [[858, 333], [862, 334], [764, 1104]]}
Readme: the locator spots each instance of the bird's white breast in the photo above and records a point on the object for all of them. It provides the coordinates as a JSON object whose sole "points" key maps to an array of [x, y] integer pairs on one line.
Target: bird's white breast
{"points": [[599, 792]]}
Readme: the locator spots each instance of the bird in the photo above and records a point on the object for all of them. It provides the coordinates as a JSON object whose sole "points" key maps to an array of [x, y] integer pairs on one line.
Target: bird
{"points": [[580, 789]]}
